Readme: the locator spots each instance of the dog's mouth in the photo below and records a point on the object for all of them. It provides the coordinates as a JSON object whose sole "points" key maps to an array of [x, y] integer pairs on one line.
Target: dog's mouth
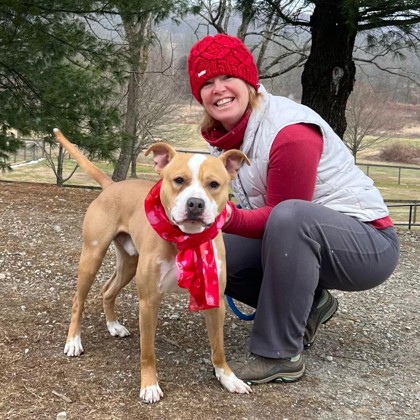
{"points": [[191, 225]]}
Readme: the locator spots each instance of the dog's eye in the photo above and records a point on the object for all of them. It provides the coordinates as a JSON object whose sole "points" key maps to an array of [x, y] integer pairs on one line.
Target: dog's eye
{"points": [[179, 180], [214, 184]]}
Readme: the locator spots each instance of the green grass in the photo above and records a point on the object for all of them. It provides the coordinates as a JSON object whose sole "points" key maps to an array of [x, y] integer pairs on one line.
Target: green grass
{"points": [[386, 179], [396, 184], [41, 172]]}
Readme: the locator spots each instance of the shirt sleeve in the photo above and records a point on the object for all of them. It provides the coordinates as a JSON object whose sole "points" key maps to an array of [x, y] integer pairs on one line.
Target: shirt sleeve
{"points": [[292, 171]]}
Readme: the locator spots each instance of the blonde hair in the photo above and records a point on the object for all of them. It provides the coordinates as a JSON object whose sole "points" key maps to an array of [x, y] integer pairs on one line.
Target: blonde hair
{"points": [[208, 122]]}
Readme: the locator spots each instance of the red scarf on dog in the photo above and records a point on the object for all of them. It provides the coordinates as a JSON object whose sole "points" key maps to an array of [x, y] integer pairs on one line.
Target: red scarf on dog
{"points": [[195, 263]]}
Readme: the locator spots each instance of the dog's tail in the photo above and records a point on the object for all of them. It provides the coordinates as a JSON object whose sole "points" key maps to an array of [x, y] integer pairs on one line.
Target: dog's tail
{"points": [[95, 173]]}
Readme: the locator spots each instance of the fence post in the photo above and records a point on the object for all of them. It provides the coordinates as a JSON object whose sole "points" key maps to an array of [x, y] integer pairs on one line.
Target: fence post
{"points": [[410, 213], [399, 175]]}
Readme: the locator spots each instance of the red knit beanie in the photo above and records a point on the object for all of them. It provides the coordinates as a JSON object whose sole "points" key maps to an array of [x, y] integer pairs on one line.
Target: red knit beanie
{"points": [[220, 55]]}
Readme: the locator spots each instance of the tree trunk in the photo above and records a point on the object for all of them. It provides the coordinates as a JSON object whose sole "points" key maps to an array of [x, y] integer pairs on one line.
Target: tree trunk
{"points": [[134, 166], [329, 74], [60, 166], [124, 159], [136, 33]]}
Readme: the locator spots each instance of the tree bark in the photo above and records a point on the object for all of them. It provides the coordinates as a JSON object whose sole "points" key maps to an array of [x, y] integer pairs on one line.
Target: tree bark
{"points": [[136, 33], [134, 165], [124, 159], [60, 167], [329, 74]]}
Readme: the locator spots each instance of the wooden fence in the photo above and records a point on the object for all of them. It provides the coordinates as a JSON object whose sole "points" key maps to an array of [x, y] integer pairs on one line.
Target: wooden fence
{"points": [[33, 150], [398, 169], [403, 213]]}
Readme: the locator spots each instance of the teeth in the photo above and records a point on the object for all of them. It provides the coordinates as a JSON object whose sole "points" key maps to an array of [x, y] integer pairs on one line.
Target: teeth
{"points": [[224, 101]]}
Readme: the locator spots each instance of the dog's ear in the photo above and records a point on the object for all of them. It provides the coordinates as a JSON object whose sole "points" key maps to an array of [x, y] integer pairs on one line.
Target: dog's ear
{"points": [[162, 155], [233, 160]]}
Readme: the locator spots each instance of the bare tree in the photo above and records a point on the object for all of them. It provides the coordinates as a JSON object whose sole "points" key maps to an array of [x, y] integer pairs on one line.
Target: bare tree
{"points": [[137, 30], [55, 160], [370, 119], [138, 18], [158, 119]]}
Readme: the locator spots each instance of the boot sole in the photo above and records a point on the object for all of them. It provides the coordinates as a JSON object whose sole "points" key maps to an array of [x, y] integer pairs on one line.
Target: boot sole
{"points": [[279, 377]]}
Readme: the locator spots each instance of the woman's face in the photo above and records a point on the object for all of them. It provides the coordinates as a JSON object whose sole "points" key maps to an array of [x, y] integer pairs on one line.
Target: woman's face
{"points": [[226, 99]]}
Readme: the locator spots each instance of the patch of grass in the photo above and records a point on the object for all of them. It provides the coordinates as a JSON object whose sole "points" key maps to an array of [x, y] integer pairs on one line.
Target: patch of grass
{"points": [[394, 183], [386, 179], [42, 173]]}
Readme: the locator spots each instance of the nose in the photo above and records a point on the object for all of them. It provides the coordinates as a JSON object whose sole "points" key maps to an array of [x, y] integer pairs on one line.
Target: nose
{"points": [[218, 85], [195, 207]]}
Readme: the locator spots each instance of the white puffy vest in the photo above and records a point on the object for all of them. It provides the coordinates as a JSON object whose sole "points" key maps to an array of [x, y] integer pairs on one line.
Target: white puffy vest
{"points": [[340, 184]]}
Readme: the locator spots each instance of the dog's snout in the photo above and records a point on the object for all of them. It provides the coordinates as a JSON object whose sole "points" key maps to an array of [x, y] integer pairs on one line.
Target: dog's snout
{"points": [[195, 206]]}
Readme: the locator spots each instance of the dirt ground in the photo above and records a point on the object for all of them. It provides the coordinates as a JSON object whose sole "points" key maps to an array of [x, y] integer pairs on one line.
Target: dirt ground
{"points": [[364, 365]]}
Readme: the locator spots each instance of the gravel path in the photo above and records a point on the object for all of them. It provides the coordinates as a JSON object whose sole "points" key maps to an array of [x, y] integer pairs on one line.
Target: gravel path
{"points": [[364, 365]]}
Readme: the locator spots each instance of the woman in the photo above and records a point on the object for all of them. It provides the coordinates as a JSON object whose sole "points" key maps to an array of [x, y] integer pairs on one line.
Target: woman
{"points": [[309, 219]]}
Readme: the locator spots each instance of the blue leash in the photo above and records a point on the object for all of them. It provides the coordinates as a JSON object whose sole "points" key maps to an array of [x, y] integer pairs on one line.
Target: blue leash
{"points": [[237, 312]]}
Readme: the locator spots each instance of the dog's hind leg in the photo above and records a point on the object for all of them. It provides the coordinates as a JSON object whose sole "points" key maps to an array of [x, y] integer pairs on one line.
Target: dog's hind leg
{"points": [[90, 262], [123, 274]]}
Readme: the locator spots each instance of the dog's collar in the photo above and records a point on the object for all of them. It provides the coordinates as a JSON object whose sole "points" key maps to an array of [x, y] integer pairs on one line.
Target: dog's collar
{"points": [[195, 262]]}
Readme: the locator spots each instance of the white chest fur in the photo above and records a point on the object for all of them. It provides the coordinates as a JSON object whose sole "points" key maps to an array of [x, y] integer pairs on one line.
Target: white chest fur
{"points": [[167, 281]]}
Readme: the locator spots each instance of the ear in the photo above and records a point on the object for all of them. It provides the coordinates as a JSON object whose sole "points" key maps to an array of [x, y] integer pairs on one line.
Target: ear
{"points": [[162, 155], [233, 160]]}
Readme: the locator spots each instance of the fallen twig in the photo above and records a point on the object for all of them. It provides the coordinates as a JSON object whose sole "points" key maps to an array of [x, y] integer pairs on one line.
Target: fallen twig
{"points": [[63, 397]]}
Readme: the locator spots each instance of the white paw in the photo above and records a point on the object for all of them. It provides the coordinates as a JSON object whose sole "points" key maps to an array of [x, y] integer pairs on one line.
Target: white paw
{"points": [[74, 347], [116, 329], [151, 394], [231, 382]]}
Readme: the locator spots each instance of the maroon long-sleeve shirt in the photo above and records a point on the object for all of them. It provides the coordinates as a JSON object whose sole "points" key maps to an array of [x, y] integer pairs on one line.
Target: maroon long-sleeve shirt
{"points": [[293, 162]]}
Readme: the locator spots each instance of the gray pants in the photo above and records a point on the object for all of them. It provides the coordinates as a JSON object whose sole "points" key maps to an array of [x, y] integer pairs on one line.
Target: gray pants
{"points": [[306, 248]]}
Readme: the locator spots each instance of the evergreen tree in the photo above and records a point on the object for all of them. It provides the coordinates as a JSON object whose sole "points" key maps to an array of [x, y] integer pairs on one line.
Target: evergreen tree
{"points": [[54, 72]]}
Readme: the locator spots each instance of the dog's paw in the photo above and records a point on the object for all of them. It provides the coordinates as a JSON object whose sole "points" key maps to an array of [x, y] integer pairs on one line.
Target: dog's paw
{"points": [[151, 394], [231, 382], [116, 329], [74, 347]]}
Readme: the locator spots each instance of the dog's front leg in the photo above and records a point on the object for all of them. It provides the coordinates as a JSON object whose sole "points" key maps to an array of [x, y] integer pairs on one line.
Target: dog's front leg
{"points": [[215, 321], [150, 391]]}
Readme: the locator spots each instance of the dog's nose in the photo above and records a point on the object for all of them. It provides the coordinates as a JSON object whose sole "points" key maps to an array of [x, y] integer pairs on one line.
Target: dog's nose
{"points": [[195, 206]]}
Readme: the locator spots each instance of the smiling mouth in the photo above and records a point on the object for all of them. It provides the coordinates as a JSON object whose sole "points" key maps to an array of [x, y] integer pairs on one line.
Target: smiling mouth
{"points": [[224, 101]]}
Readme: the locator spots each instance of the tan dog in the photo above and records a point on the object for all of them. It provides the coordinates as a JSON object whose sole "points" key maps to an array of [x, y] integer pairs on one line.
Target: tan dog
{"points": [[193, 193]]}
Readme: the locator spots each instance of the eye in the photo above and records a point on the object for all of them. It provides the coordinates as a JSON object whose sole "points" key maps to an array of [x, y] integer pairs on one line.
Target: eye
{"points": [[227, 77], [214, 184], [179, 180], [208, 82]]}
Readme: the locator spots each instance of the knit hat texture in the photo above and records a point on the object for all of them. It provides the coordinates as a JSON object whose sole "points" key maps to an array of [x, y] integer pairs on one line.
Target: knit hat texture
{"points": [[220, 55]]}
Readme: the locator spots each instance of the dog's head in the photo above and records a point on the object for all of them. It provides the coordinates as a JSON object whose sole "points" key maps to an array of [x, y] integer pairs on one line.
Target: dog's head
{"points": [[195, 187]]}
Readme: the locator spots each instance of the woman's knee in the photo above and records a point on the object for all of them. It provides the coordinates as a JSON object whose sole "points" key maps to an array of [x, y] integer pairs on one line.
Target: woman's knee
{"points": [[288, 214]]}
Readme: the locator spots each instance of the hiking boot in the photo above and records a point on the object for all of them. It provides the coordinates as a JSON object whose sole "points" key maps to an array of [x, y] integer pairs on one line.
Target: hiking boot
{"points": [[256, 369], [321, 313]]}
